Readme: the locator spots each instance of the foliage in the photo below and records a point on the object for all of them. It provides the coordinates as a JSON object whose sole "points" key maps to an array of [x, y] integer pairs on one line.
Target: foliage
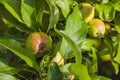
{"points": [[63, 21]]}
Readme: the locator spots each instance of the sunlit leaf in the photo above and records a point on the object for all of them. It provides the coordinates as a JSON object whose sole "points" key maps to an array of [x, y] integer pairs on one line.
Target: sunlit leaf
{"points": [[8, 19], [11, 21], [116, 5], [71, 43], [10, 70], [96, 77], [76, 69], [14, 8], [80, 71], [76, 29], [4, 76], [64, 5], [65, 68], [106, 11], [28, 13], [90, 42], [72, 3]]}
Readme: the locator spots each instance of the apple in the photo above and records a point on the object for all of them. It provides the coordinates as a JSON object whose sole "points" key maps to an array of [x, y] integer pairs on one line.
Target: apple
{"points": [[38, 43], [87, 11], [97, 28]]}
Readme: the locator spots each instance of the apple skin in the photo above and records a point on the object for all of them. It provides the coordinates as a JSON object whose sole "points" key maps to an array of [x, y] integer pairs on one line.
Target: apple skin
{"points": [[39, 43], [97, 28], [87, 10]]}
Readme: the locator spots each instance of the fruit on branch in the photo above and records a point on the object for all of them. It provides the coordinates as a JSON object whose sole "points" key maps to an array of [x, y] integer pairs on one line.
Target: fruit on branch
{"points": [[39, 43], [97, 28], [87, 11]]}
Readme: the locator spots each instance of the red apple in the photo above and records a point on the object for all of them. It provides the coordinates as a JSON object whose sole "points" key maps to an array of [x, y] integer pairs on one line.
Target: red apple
{"points": [[39, 43]]}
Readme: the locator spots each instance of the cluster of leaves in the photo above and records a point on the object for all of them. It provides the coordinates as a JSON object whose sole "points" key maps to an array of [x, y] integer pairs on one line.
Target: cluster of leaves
{"points": [[63, 21]]}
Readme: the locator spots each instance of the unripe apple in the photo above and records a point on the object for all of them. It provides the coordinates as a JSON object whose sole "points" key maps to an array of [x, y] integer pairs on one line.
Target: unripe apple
{"points": [[39, 43], [97, 28], [87, 11]]}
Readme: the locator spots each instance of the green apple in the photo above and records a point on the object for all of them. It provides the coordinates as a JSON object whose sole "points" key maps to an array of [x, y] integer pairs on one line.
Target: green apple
{"points": [[39, 43], [87, 11], [97, 28]]}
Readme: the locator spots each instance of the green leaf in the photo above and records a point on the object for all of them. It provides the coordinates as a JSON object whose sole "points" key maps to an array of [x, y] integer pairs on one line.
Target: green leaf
{"points": [[117, 22], [5, 68], [104, 1], [1, 1], [96, 77], [106, 11], [54, 17], [39, 10], [80, 70], [116, 66], [76, 29], [3, 63], [7, 77], [108, 45], [65, 68], [94, 65], [24, 54], [11, 21], [90, 42], [28, 13], [10, 70], [116, 5], [64, 5], [72, 3], [14, 8], [54, 72], [76, 69], [110, 51], [117, 57], [8, 19], [75, 49], [115, 1], [87, 44]]}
